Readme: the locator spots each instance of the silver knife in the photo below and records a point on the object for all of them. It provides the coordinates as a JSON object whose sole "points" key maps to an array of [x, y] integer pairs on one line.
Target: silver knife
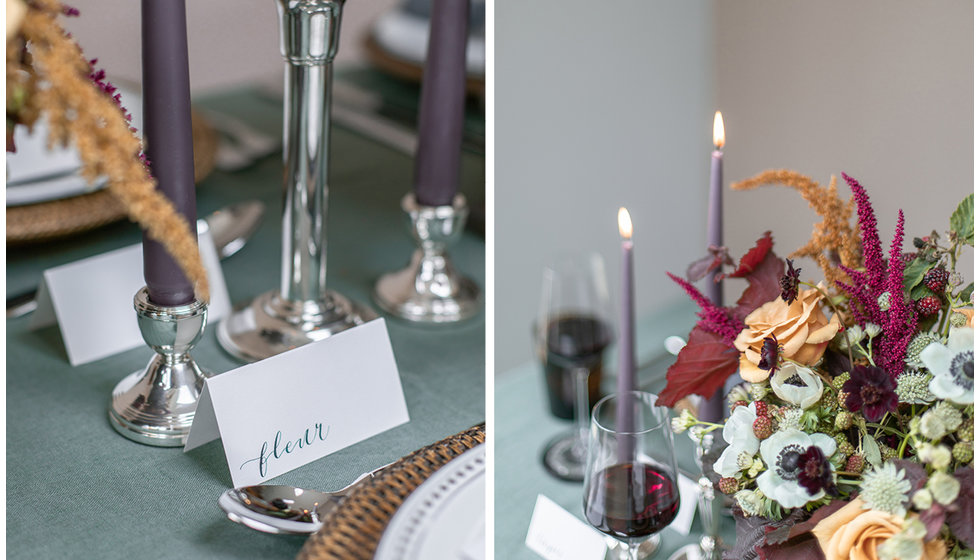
{"points": [[230, 228]]}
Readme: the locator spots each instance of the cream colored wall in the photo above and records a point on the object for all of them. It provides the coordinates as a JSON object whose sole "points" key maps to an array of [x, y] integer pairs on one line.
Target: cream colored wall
{"points": [[882, 90], [231, 42]]}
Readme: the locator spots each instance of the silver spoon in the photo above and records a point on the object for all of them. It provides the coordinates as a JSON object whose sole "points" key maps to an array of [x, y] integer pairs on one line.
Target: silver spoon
{"points": [[285, 509], [230, 228]]}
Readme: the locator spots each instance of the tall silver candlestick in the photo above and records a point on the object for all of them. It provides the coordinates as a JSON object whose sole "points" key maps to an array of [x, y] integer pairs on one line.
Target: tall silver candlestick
{"points": [[156, 406], [303, 309], [429, 289]]}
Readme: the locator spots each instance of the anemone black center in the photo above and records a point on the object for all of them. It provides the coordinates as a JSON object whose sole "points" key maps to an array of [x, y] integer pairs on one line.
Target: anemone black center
{"points": [[788, 461], [962, 369]]}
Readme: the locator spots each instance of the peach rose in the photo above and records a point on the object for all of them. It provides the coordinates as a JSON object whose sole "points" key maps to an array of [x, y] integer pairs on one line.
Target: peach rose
{"points": [[802, 329], [854, 533]]}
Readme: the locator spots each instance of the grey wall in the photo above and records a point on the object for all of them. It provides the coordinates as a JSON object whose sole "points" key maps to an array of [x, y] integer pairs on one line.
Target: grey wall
{"points": [[601, 108], [596, 107]]}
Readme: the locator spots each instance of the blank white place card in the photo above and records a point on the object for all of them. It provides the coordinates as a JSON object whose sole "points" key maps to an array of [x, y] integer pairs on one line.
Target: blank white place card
{"points": [[91, 300]]}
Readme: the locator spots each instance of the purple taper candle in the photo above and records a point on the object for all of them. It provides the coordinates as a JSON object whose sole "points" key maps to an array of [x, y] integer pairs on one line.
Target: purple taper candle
{"points": [[441, 107], [167, 138], [626, 381], [713, 408]]}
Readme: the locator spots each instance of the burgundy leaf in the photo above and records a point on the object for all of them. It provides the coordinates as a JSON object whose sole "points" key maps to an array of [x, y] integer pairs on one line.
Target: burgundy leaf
{"points": [[749, 535], [701, 367], [763, 285], [792, 531], [702, 267], [755, 256], [914, 473], [961, 520], [805, 547], [933, 518]]}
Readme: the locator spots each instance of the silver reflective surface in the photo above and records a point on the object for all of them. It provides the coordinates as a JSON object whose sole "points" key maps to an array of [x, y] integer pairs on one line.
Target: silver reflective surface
{"points": [[430, 289], [156, 406], [303, 310]]}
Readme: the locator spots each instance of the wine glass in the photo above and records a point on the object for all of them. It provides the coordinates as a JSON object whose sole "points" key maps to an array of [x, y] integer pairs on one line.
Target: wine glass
{"points": [[629, 494], [572, 331]]}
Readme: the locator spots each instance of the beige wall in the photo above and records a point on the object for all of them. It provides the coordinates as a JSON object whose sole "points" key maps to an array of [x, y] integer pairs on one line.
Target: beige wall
{"points": [[231, 42], [882, 90]]}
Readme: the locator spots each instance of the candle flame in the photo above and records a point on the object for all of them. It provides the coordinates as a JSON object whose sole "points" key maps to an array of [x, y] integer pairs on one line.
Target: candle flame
{"points": [[625, 224], [719, 131]]}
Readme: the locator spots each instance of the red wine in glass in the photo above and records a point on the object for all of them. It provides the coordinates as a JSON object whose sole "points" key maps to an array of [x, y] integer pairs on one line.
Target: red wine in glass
{"points": [[572, 342], [631, 501]]}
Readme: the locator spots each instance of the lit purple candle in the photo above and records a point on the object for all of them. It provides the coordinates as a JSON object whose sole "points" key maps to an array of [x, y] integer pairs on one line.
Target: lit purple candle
{"points": [[442, 104], [713, 409], [626, 381], [167, 138]]}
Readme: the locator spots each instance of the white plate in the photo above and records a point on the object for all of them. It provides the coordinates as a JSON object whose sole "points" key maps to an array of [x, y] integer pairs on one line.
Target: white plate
{"points": [[444, 517], [37, 174], [406, 36]]}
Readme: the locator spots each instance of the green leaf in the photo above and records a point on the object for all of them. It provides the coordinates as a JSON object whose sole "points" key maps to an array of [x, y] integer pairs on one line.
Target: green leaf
{"points": [[961, 221], [915, 271], [871, 451], [964, 295], [920, 291]]}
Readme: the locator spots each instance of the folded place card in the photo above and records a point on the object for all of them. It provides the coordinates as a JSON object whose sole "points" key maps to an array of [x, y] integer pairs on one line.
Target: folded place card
{"points": [[556, 534], [92, 300], [288, 410], [689, 504]]}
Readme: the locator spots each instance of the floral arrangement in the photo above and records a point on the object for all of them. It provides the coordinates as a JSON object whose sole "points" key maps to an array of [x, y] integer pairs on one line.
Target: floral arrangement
{"points": [[851, 432], [47, 74]]}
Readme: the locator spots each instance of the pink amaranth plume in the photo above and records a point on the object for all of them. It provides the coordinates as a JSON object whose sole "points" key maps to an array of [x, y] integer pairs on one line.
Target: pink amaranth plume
{"points": [[898, 323], [99, 77], [901, 324], [713, 318]]}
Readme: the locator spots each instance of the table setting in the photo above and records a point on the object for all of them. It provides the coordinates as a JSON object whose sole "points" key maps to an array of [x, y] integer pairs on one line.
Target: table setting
{"points": [[827, 413], [351, 469]]}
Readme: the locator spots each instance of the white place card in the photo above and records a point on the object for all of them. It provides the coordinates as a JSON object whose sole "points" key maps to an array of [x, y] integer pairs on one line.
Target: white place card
{"points": [[689, 504], [92, 300], [556, 534], [288, 410]]}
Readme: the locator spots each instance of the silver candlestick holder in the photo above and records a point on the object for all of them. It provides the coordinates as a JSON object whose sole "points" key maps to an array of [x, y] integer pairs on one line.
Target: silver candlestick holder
{"points": [[303, 309], [156, 406], [429, 289], [709, 547]]}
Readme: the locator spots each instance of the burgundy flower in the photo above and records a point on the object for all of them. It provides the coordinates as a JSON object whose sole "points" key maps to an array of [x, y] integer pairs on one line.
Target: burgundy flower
{"points": [[815, 471], [872, 391], [770, 354], [790, 282]]}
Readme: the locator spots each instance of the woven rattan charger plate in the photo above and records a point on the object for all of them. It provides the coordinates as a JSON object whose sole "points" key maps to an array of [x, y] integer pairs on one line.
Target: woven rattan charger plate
{"points": [[353, 530], [45, 221]]}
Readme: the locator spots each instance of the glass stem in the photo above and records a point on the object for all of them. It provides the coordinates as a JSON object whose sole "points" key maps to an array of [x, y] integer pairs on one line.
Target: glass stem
{"points": [[581, 409], [634, 550]]}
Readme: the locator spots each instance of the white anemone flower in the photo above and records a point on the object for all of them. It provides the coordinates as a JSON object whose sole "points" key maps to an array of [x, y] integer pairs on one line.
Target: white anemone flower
{"points": [[740, 437], [951, 366], [781, 452], [797, 385]]}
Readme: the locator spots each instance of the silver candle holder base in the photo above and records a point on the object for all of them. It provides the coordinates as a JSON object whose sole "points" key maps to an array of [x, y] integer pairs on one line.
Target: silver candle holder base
{"points": [[429, 290], [156, 406], [271, 324]]}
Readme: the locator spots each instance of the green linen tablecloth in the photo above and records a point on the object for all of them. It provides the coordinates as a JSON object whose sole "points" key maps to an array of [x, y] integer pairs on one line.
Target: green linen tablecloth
{"points": [[77, 489], [523, 426]]}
